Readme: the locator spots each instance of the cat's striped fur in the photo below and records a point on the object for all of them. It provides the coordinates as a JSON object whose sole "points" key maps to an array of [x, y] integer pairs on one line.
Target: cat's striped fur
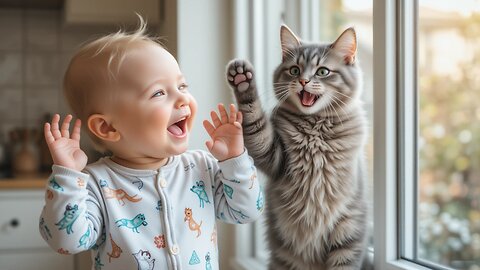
{"points": [[312, 153]]}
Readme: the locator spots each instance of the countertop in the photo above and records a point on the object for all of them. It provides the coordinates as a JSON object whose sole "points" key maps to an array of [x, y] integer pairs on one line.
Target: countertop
{"points": [[27, 182]]}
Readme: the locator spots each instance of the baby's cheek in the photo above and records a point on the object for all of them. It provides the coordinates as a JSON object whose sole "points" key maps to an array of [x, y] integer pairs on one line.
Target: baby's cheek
{"points": [[193, 112], [158, 118]]}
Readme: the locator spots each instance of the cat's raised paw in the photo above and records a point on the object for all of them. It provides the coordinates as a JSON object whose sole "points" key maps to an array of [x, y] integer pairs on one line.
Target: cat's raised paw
{"points": [[239, 75]]}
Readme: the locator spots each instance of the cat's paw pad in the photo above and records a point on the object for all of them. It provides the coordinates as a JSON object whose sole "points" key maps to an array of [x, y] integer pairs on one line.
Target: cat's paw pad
{"points": [[239, 75]]}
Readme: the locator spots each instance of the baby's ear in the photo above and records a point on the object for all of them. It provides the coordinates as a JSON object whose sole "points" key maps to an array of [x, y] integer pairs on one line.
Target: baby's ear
{"points": [[100, 125]]}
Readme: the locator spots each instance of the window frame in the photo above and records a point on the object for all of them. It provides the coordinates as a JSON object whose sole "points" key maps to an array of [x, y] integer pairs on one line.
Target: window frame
{"points": [[395, 136], [390, 44]]}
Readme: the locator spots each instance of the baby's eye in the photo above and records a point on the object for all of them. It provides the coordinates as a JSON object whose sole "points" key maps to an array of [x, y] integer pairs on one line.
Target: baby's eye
{"points": [[158, 93], [183, 87]]}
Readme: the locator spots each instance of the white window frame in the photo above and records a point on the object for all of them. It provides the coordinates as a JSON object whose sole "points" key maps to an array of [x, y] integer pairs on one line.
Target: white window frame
{"points": [[394, 28], [395, 135], [391, 46]]}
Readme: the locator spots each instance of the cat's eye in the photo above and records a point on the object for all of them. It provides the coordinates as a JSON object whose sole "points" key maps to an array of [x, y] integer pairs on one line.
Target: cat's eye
{"points": [[158, 93], [295, 71], [323, 71]]}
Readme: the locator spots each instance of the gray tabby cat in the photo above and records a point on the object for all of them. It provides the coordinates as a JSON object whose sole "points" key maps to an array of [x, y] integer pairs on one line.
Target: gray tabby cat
{"points": [[311, 148]]}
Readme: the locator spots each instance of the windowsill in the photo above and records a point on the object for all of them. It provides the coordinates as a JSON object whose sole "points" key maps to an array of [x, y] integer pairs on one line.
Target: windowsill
{"points": [[405, 265], [248, 264], [252, 263]]}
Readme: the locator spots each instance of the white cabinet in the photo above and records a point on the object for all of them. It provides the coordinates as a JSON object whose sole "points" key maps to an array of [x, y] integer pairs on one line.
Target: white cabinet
{"points": [[21, 246], [107, 12]]}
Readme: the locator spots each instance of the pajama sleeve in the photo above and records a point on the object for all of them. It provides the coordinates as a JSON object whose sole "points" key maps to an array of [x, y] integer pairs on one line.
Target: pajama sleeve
{"points": [[71, 220], [238, 195]]}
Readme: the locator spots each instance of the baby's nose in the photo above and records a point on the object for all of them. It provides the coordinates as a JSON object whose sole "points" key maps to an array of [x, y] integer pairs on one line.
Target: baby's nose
{"points": [[182, 100]]}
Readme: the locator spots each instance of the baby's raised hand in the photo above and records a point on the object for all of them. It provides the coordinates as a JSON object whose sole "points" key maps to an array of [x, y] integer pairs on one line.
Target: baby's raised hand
{"points": [[65, 149], [226, 133]]}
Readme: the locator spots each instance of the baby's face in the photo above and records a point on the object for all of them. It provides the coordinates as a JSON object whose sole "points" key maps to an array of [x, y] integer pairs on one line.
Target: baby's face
{"points": [[155, 111]]}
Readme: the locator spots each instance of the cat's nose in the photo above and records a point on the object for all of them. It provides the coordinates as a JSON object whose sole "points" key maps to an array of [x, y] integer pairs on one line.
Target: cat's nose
{"points": [[303, 82]]}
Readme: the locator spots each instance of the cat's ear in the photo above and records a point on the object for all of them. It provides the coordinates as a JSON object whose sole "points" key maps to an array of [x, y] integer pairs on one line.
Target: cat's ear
{"points": [[346, 45], [289, 40]]}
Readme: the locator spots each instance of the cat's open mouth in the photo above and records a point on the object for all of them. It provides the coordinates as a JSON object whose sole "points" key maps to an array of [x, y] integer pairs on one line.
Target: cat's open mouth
{"points": [[307, 99]]}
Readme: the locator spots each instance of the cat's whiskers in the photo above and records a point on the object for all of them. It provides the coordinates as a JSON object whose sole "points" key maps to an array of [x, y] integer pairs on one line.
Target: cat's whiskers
{"points": [[269, 96], [341, 101], [336, 113], [328, 112], [280, 90], [333, 107], [343, 95], [283, 96]]}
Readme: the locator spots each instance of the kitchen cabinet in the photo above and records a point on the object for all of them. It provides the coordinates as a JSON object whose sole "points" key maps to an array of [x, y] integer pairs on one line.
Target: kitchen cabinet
{"points": [[21, 246]]}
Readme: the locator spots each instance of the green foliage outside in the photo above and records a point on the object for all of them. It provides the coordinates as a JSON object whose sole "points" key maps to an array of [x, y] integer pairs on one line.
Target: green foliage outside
{"points": [[449, 188]]}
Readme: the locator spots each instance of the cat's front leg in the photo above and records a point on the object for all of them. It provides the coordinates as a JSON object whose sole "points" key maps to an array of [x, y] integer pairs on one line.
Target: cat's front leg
{"points": [[260, 139]]}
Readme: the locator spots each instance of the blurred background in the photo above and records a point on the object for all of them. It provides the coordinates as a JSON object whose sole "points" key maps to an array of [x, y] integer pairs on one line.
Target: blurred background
{"points": [[449, 133]]}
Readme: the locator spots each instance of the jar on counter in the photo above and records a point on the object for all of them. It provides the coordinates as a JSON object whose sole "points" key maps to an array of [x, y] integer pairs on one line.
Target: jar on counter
{"points": [[25, 158]]}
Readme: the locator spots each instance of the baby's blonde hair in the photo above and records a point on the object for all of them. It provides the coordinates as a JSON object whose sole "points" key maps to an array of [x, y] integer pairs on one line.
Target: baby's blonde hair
{"points": [[94, 68]]}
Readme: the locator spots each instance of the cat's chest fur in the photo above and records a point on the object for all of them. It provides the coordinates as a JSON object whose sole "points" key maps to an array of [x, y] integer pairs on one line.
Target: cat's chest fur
{"points": [[318, 146], [321, 174]]}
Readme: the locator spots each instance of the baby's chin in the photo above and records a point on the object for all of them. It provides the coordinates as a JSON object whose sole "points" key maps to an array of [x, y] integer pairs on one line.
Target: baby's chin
{"points": [[180, 147]]}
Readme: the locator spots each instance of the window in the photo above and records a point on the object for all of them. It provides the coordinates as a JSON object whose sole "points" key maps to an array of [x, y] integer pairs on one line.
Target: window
{"points": [[421, 71], [448, 133], [426, 195]]}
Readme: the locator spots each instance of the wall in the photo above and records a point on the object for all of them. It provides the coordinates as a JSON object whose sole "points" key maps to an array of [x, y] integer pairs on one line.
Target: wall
{"points": [[35, 49]]}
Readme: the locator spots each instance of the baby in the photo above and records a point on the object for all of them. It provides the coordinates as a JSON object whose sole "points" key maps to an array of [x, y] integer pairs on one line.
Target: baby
{"points": [[151, 204]]}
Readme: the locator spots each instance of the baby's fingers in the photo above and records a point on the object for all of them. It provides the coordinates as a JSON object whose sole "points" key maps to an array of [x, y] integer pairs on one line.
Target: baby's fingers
{"points": [[239, 117], [54, 127], [216, 121], [48, 134], [209, 128], [233, 114], [76, 130], [223, 113], [65, 126]]}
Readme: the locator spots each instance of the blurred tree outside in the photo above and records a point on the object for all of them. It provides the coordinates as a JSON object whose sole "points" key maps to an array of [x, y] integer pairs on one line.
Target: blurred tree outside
{"points": [[449, 154]]}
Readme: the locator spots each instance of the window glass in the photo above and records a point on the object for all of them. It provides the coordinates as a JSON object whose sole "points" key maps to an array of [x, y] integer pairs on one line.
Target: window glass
{"points": [[449, 133]]}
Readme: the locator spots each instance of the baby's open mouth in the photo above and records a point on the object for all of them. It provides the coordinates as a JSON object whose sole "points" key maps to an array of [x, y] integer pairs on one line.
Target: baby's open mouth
{"points": [[307, 99], [178, 129]]}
